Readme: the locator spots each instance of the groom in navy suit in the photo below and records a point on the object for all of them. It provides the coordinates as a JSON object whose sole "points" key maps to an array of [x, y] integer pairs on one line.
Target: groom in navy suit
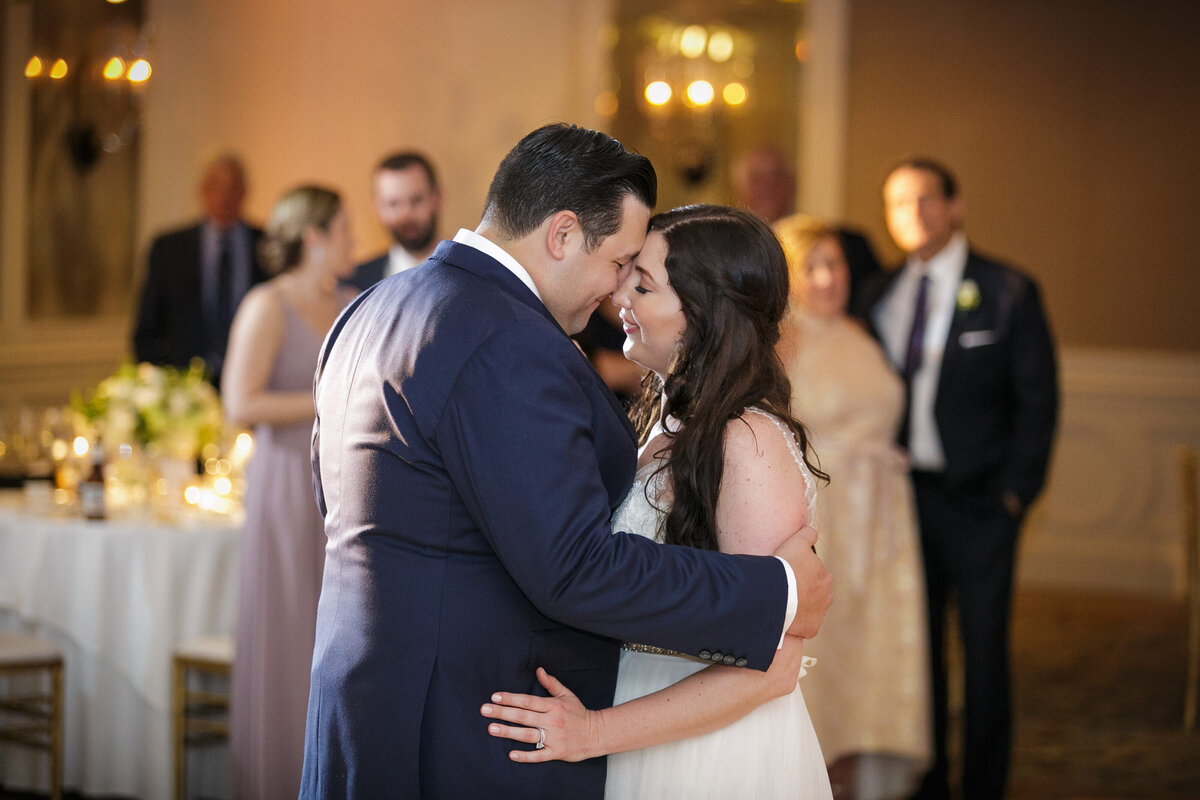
{"points": [[468, 460], [970, 339]]}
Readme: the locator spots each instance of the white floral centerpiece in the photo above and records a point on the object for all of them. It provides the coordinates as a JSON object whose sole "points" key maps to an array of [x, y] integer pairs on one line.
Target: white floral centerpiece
{"points": [[167, 411]]}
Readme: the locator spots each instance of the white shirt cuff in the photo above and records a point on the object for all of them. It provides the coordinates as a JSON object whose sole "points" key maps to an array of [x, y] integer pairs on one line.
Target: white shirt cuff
{"points": [[791, 603]]}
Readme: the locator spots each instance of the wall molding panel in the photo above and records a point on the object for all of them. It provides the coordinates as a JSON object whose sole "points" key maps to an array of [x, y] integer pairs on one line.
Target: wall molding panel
{"points": [[1111, 516]]}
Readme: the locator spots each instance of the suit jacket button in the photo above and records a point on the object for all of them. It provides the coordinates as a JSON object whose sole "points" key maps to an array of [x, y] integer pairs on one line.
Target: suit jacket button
{"points": [[717, 657], [705, 654], [730, 660], [741, 662]]}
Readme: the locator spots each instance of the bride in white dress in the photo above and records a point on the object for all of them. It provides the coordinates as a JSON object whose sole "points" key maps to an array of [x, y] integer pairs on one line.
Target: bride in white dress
{"points": [[722, 466]]}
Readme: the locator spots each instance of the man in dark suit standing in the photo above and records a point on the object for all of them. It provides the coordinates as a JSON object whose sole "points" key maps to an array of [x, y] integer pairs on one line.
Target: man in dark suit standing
{"points": [[407, 202], [971, 341], [197, 275], [468, 460]]}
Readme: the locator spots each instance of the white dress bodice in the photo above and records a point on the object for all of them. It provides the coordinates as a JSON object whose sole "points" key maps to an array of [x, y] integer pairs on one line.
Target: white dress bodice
{"points": [[770, 754]]}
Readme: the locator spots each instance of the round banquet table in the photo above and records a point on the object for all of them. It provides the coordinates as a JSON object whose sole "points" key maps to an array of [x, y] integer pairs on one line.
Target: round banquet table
{"points": [[116, 596]]}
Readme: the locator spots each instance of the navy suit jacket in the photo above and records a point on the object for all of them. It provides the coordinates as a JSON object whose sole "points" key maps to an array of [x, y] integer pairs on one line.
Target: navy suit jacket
{"points": [[997, 398], [369, 273], [171, 323], [467, 460]]}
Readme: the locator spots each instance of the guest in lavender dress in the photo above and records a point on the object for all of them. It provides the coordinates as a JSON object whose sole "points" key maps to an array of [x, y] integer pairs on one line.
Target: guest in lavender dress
{"points": [[267, 382]]}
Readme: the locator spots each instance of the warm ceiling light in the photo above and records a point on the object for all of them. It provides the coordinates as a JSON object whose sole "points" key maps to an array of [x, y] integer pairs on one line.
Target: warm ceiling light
{"points": [[114, 68], [59, 70], [720, 46], [658, 93], [734, 94], [691, 43], [700, 92], [33, 67], [139, 71]]}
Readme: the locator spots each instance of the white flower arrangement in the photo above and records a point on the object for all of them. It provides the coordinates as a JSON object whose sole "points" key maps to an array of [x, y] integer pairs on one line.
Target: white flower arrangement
{"points": [[968, 296], [172, 411]]}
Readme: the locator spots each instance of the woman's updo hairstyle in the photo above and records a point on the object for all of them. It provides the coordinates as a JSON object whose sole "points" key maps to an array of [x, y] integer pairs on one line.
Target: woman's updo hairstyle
{"points": [[295, 212]]}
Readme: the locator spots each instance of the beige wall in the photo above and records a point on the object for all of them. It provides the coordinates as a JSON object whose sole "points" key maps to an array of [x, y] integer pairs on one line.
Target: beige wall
{"points": [[1074, 126], [319, 91], [304, 91]]}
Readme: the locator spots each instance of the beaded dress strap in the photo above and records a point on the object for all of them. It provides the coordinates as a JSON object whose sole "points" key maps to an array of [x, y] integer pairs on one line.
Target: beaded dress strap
{"points": [[810, 486]]}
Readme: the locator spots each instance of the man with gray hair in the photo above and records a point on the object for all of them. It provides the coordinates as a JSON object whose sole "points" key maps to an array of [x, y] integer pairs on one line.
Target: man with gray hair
{"points": [[197, 275]]}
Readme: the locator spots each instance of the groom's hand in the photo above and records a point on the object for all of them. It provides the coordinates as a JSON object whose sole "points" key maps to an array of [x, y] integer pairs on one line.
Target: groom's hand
{"points": [[814, 583]]}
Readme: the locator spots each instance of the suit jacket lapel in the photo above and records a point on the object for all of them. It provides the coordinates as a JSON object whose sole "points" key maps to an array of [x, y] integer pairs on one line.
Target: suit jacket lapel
{"points": [[958, 324], [478, 263]]}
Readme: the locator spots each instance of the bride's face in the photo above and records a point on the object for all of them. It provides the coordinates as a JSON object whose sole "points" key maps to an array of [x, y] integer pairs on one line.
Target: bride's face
{"points": [[651, 314]]}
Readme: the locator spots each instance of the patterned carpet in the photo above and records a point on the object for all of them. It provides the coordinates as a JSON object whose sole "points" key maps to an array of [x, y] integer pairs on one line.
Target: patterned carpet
{"points": [[1100, 683]]}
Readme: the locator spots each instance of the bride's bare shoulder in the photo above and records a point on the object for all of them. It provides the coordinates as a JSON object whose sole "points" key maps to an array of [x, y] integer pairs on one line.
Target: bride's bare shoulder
{"points": [[762, 490]]}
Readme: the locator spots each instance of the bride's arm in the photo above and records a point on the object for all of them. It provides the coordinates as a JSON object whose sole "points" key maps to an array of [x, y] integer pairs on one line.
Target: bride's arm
{"points": [[706, 701], [761, 504]]}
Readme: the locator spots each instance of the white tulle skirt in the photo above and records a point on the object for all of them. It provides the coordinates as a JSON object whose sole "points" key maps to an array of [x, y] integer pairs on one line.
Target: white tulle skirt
{"points": [[770, 754]]}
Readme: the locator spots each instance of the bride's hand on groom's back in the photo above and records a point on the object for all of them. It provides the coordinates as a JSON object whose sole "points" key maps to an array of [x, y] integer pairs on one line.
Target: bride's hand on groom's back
{"points": [[571, 731], [814, 583]]}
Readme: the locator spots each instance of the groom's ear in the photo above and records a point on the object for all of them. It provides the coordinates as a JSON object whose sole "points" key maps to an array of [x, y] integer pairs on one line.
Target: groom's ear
{"points": [[562, 234]]}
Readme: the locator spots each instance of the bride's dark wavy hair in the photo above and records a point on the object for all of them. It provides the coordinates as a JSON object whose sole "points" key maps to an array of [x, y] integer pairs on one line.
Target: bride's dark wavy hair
{"points": [[730, 274]]}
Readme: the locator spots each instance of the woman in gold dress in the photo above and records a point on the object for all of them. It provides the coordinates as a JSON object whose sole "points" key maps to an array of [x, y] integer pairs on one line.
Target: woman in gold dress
{"points": [[870, 702]]}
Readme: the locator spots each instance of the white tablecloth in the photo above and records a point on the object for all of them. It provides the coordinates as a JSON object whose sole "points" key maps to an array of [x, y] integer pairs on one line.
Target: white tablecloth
{"points": [[117, 596]]}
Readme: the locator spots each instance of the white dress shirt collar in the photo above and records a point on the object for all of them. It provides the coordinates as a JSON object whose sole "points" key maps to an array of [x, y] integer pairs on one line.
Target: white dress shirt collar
{"points": [[399, 260], [946, 267], [488, 247]]}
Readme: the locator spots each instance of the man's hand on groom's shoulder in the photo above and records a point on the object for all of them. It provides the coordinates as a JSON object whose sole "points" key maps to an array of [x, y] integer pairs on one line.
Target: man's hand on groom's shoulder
{"points": [[814, 583]]}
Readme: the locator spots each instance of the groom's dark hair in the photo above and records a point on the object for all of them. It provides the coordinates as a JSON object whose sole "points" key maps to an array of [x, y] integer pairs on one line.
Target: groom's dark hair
{"points": [[564, 167]]}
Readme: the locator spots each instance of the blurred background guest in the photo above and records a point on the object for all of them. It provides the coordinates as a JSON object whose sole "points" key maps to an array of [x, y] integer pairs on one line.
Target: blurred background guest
{"points": [[764, 182], [407, 202], [268, 381], [196, 277], [870, 706], [603, 340], [971, 341]]}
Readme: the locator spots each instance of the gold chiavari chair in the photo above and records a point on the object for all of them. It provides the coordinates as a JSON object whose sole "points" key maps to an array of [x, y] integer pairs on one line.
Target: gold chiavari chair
{"points": [[33, 719], [199, 716], [1191, 534]]}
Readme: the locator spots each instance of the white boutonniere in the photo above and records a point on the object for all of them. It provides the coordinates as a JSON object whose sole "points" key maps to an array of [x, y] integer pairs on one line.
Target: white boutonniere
{"points": [[968, 296]]}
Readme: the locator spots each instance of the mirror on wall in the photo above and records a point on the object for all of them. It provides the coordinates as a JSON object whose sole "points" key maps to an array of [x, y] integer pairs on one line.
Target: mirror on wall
{"points": [[697, 83], [87, 65]]}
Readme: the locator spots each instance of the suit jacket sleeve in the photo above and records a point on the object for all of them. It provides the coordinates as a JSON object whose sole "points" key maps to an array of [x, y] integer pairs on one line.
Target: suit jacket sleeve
{"points": [[1035, 395], [526, 465], [151, 339]]}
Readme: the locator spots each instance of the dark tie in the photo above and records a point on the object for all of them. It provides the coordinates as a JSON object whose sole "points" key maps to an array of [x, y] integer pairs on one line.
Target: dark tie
{"points": [[916, 336], [225, 283], [912, 356]]}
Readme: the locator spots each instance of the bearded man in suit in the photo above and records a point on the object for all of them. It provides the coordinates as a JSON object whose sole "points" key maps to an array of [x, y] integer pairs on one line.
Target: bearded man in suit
{"points": [[197, 275], [407, 201], [971, 340]]}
